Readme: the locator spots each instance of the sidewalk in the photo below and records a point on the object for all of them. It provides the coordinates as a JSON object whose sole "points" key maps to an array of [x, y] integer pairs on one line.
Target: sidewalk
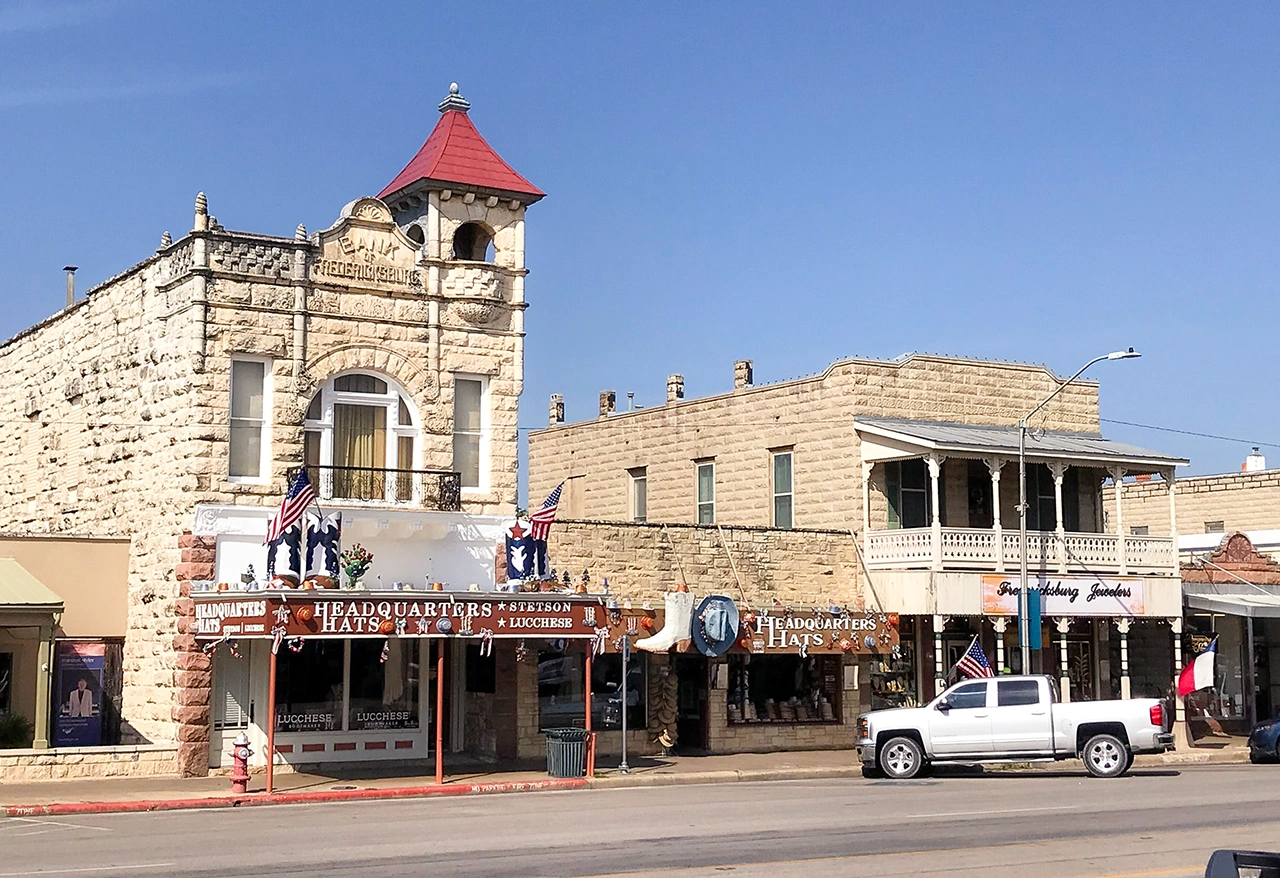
{"points": [[169, 793]]}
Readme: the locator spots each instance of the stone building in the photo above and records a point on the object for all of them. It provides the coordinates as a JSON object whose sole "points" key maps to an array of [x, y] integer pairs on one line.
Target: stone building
{"points": [[889, 486], [171, 404]]}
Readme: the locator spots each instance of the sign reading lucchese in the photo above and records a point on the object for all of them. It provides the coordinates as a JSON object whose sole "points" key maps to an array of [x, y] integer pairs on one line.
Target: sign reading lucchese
{"points": [[1067, 595], [421, 617]]}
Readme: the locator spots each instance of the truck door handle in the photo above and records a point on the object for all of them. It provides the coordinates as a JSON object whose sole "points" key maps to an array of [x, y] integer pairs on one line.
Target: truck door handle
{"points": [[1037, 713], [980, 715]]}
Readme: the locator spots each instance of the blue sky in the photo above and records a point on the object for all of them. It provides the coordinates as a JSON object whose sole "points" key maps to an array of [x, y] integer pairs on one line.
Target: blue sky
{"points": [[789, 183]]}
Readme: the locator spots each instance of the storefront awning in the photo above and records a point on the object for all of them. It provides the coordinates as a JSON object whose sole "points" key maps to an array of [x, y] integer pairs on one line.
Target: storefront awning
{"points": [[897, 438], [1253, 606], [22, 592]]}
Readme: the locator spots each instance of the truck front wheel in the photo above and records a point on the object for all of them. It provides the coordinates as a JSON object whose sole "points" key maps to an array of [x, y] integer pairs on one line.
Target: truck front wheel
{"points": [[1106, 756], [901, 758]]}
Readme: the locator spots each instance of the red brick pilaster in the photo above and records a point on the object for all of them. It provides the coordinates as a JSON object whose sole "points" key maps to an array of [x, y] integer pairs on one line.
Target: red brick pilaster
{"points": [[193, 674]]}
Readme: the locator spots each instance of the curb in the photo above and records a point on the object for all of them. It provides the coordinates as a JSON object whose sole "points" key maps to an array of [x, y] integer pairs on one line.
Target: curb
{"points": [[725, 776], [144, 805]]}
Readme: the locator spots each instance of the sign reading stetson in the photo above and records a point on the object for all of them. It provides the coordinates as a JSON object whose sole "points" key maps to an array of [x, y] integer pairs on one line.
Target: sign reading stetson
{"points": [[315, 614], [1067, 595]]}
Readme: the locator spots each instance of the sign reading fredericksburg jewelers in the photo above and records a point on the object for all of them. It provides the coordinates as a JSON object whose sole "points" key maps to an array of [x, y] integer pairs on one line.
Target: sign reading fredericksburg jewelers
{"points": [[1067, 595]]}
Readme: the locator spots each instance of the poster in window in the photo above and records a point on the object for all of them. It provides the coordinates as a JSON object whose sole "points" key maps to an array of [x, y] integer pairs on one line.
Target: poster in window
{"points": [[78, 718]]}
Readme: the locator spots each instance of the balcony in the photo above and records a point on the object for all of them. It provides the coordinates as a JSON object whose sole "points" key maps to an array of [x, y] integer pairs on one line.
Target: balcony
{"points": [[438, 490], [989, 550]]}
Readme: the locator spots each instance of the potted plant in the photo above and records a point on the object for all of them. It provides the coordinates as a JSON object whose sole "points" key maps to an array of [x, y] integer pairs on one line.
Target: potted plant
{"points": [[355, 563]]}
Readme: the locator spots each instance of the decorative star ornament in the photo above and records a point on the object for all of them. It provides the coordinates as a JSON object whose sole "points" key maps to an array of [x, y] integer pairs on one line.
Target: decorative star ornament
{"points": [[516, 531]]}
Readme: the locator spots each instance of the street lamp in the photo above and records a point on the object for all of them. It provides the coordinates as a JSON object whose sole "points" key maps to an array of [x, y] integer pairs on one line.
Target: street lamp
{"points": [[1024, 603]]}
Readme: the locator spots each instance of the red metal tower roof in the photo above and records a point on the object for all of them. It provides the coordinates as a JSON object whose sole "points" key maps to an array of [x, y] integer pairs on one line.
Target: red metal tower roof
{"points": [[456, 153]]}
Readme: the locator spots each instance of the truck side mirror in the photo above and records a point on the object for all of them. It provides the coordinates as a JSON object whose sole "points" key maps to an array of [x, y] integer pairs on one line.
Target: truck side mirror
{"points": [[944, 705]]}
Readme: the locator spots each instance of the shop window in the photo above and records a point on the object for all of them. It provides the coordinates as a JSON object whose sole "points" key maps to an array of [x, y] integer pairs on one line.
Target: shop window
{"points": [[482, 671], [909, 494], [249, 440], [639, 493], [893, 677], [784, 688], [561, 693], [783, 495], [384, 684], [309, 687], [468, 430], [707, 492], [6, 682]]}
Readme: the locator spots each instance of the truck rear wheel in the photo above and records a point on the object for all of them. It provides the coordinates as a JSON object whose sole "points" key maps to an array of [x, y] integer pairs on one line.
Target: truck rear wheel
{"points": [[901, 758], [1106, 756]]}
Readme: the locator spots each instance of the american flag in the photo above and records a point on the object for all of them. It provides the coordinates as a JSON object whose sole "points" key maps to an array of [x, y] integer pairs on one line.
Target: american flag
{"points": [[300, 496], [540, 521], [974, 662]]}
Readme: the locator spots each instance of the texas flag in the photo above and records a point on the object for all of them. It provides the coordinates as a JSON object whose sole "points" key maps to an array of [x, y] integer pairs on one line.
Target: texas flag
{"points": [[1198, 674]]}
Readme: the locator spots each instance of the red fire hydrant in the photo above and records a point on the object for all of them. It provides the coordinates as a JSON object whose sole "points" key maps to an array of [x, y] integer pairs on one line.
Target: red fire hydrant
{"points": [[240, 753]]}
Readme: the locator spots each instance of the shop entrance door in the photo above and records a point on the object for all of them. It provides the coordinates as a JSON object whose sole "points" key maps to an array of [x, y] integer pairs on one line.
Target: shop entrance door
{"points": [[691, 703]]}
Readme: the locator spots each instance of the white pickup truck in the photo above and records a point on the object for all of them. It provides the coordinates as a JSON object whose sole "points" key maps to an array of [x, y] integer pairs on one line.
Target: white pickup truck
{"points": [[1012, 719]]}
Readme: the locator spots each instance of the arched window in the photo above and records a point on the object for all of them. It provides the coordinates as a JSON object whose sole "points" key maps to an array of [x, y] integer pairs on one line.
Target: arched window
{"points": [[474, 242], [361, 440], [415, 234]]}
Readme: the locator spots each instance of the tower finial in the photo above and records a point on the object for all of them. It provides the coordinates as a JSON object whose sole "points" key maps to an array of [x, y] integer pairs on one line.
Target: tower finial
{"points": [[202, 213], [166, 239], [300, 234], [454, 101]]}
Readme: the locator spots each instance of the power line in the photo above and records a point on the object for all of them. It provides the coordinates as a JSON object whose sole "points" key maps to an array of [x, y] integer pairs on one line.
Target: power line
{"points": [[1250, 442]]}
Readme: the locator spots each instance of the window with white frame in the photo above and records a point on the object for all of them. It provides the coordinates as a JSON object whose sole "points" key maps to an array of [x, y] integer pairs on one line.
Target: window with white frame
{"points": [[469, 422], [639, 493], [360, 440], [707, 492], [783, 496], [249, 451]]}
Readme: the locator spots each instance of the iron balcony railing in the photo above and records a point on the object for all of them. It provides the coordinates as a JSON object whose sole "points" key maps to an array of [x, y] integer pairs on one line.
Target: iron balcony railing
{"points": [[440, 490]]}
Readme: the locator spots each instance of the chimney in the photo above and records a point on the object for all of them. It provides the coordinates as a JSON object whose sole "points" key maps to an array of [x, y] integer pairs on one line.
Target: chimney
{"points": [[608, 403], [742, 374], [555, 411], [1255, 462], [71, 288], [675, 387]]}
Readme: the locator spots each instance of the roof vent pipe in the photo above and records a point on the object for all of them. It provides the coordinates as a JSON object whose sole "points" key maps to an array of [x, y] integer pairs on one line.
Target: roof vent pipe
{"points": [[71, 287], [1255, 462]]}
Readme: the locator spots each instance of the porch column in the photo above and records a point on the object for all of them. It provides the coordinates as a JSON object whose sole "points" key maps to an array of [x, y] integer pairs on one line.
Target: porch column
{"points": [[44, 671], [1064, 681], [1117, 476], [1059, 471], [1001, 624], [935, 472], [994, 465], [1169, 479], [1122, 625], [939, 680], [1181, 736]]}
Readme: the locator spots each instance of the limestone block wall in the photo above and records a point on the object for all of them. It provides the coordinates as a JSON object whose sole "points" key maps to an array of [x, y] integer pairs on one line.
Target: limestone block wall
{"points": [[644, 561], [813, 417], [1241, 501]]}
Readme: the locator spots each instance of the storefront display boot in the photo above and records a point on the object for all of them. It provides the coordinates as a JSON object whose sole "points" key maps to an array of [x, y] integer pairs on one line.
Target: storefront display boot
{"points": [[676, 626]]}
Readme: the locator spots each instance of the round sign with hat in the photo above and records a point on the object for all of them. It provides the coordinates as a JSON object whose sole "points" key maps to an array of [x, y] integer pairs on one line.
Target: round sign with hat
{"points": [[715, 625]]}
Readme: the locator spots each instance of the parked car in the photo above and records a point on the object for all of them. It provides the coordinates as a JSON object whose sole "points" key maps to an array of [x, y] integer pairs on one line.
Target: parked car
{"points": [[1264, 741], [1012, 719]]}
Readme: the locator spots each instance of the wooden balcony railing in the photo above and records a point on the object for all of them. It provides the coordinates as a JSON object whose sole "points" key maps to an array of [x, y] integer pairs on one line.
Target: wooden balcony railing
{"points": [[1000, 551]]}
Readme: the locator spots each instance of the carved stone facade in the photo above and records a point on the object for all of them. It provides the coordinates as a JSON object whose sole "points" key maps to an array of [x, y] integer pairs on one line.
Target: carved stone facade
{"points": [[119, 406]]}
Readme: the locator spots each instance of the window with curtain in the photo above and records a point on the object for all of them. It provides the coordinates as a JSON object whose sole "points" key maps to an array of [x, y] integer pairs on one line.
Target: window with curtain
{"points": [[359, 451], [707, 492], [468, 421], [783, 497], [248, 437]]}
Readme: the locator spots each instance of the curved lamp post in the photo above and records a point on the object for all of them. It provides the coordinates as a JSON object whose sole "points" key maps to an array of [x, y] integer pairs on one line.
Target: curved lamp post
{"points": [[1024, 607]]}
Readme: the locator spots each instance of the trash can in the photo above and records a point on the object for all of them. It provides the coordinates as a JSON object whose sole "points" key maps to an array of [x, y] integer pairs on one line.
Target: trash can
{"points": [[567, 752]]}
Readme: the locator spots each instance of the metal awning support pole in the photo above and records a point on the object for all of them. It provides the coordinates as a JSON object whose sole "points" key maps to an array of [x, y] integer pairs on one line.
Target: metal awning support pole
{"points": [[271, 723], [591, 738], [1251, 691], [439, 711]]}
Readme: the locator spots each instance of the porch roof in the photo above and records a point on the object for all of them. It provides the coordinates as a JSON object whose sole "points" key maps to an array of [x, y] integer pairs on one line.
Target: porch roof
{"points": [[22, 592], [1255, 605], [895, 438]]}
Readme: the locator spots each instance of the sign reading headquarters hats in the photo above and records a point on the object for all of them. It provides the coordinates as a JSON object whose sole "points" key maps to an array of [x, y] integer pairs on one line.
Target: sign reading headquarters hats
{"points": [[715, 625]]}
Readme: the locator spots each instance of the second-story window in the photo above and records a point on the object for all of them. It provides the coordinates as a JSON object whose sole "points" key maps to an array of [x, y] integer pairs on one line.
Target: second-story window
{"points": [[468, 430], [639, 494], [707, 492], [783, 497], [250, 442], [908, 492]]}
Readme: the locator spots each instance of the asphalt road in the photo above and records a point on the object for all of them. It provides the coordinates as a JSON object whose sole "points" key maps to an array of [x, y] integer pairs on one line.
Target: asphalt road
{"points": [[1049, 825]]}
